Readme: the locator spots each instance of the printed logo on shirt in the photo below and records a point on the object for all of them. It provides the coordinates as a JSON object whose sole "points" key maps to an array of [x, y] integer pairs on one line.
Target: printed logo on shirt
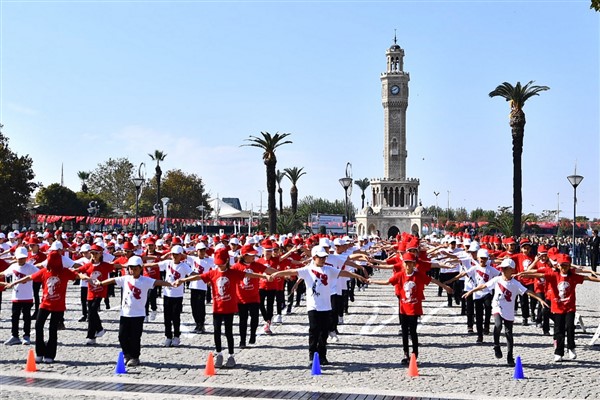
{"points": [[223, 288], [483, 275], [52, 284], [247, 282], [174, 274], [409, 288], [136, 292], [563, 291], [19, 275], [506, 293], [322, 277], [95, 288], [198, 267]]}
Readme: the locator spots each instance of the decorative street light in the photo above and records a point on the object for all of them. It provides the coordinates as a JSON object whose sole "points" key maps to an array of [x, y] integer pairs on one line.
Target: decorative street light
{"points": [[575, 180], [138, 182], [93, 210], [346, 183], [437, 216], [165, 201], [201, 208]]}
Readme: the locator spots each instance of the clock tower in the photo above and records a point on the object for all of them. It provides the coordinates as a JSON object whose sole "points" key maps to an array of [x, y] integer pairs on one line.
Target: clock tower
{"points": [[394, 205]]}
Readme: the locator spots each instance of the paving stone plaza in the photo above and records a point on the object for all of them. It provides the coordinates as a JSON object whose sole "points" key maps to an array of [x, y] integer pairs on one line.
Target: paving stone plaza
{"points": [[364, 364]]}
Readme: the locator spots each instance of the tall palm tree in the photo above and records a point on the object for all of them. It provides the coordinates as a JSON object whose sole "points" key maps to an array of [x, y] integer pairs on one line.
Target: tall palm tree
{"points": [[294, 175], [269, 143], [84, 176], [279, 176], [158, 156], [517, 96], [363, 184]]}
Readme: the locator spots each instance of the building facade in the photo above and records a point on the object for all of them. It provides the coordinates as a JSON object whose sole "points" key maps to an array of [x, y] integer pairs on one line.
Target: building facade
{"points": [[394, 205]]}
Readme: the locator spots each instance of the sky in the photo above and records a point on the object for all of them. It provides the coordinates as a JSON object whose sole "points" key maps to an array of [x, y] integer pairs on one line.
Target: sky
{"points": [[84, 81]]}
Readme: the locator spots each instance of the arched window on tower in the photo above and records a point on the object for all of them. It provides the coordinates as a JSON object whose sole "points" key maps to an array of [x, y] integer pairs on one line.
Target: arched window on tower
{"points": [[374, 199], [396, 197], [394, 150], [385, 197], [402, 197]]}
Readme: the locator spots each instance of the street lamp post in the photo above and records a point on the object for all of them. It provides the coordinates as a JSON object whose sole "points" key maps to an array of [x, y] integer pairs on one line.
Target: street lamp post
{"points": [[201, 209], [346, 183], [138, 182], [575, 180], [437, 216]]}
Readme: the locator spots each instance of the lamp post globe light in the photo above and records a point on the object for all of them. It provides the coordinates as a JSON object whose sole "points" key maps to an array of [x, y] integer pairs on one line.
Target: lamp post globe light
{"points": [[138, 182], [201, 208], [346, 182], [575, 180]]}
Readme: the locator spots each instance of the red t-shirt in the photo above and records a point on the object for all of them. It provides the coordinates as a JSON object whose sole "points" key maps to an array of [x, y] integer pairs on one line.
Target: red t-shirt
{"points": [[411, 291], [247, 290], [3, 266], [272, 262], [152, 272], [539, 284], [54, 286], [36, 258], [563, 290], [522, 263], [122, 261], [224, 284], [100, 272]]}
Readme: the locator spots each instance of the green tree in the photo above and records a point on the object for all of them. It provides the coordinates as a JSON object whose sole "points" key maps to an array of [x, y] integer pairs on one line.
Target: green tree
{"points": [[185, 191], [111, 181], [84, 176], [279, 176], [310, 205], [269, 143], [517, 96], [58, 200], [362, 184], [294, 174], [16, 183], [158, 156], [289, 223], [86, 198], [595, 5]]}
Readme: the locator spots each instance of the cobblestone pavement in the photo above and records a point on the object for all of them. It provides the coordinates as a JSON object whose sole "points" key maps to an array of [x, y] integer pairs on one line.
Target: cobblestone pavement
{"points": [[365, 361]]}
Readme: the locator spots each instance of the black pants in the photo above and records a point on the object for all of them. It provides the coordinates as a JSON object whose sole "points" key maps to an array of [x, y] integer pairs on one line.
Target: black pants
{"points": [[446, 276], [508, 331], [345, 301], [336, 309], [94, 322], [290, 298], [280, 300], [18, 309], [151, 301], [564, 323], [83, 298], [197, 299], [524, 302], [470, 309], [130, 335], [594, 260], [245, 310], [36, 296], [409, 327], [267, 299], [42, 348], [172, 308], [483, 314], [458, 287], [218, 320], [543, 314], [318, 330]]}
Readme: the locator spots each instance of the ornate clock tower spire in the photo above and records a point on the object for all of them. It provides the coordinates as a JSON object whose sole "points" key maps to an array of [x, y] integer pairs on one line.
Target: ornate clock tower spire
{"points": [[394, 97]]}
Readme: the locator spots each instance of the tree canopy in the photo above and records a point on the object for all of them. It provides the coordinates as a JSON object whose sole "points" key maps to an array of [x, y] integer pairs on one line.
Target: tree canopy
{"points": [[111, 180]]}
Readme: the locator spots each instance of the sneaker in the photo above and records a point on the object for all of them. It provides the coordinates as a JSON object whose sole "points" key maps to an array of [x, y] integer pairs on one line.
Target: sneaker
{"points": [[324, 361], [61, 326], [278, 319], [175, 342], [479, 339], [39, 359], [82, 319], [230, 362], [12, 340], [510, 361], [100, 333], [152, 315], [133, 362], [404, 361], [525, 322], [168, 342], [252, 340], [340, 320], [243, 345], [572, 354], [48, 360], [470, 331], [288, 312], [498, 351], [219, 361], [90, 342], [334, 337], [26, 340], [267, 329], [557, 358]]}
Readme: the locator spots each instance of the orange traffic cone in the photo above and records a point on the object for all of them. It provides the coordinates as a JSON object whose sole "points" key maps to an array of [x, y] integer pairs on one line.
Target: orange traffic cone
{"points": [[210, 365], [412, 367], [30, 366]]}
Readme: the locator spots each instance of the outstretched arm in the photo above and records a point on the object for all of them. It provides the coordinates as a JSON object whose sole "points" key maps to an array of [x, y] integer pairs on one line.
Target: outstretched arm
{"points": [[477, 289], [443, 286]]}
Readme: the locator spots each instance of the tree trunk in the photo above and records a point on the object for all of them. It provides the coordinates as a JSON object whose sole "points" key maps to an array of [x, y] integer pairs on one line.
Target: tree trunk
{"points": [[158, 175], [517, 124], [271, 187], [294, 198], [280, 191], [362, 197]]}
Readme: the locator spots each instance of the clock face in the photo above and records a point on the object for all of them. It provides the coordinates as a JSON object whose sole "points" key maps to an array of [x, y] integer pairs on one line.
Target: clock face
{"points": [[395, 90]]}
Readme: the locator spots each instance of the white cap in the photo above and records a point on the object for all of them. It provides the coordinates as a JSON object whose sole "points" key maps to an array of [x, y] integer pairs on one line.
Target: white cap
{"points": [[2, 235], [339, 242], [234, 241], [135, 261], [474, 246], [84, 247], [21, 252], [483, 253], [507, 263], [56, 245], [135, 241], [200, 246], [319, 251], [220, 246], [11, 235], [466, 241], [324, 242], [177, 249], [160, 242]]}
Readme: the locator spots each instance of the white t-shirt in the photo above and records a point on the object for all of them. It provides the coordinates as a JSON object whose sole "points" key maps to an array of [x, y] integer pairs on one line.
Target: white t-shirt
{"points": [[83, 261], [505, 293], [336, 261], [135, 294], [200, 266], [107, 257], [22, 291], [318, 286], [174, 272], [482, 276]]}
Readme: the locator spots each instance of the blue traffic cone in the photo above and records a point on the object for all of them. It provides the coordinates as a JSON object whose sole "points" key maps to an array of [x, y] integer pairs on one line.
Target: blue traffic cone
{"points": [[316, 365], [519, 369], [120, 368]]}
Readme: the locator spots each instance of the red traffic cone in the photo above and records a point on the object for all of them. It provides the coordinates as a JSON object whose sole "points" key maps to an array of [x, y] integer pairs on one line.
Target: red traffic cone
{"points": [[210, 365], [412, 367], [30, 366]]}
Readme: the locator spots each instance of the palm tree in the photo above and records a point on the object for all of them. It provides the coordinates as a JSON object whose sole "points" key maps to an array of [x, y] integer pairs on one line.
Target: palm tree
{"points": [[158, 156], [84, 176], [269, 143], [279, 176], [517, 96], [363, 184], [294, 175]]}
